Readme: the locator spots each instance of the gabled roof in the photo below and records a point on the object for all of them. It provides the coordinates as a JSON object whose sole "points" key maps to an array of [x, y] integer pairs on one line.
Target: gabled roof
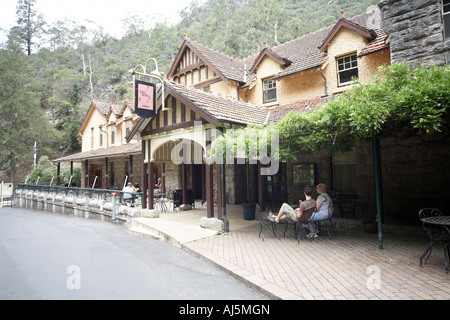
{"points": [[212, 108], [344, 23], [300, 54], [228, 68], [105, 110], [266, 52], [219, 108]]}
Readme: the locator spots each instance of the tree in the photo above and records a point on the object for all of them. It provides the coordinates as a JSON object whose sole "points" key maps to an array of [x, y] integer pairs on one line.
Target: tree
{"points": [[22, 121], [30, 23]]}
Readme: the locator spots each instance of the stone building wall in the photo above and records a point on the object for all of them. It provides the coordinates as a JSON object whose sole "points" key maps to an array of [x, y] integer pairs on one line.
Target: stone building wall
{"points": [[416, 31]]}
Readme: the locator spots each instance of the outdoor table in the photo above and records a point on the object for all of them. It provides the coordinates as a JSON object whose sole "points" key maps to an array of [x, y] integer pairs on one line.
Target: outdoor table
{"points": [[442, 235]]}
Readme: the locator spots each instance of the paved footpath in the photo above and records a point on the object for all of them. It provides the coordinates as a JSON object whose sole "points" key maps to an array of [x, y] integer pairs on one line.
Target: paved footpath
{"points": [[347, 267]]}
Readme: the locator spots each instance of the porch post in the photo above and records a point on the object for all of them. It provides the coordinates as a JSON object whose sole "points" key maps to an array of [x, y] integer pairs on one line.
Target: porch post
{"points": [[143, 177], [130, 168], [219, 190], [163, 178], [150, 178], [209, 182], [71, 169], [261, 180], [106, 174], [183, 182], [58, 174], [86, 174]]}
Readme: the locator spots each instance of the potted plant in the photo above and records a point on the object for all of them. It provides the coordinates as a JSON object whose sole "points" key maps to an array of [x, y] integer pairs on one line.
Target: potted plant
{"points": [[370, 225]]}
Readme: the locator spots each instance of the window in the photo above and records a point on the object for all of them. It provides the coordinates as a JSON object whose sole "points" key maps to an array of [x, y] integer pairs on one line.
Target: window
{"points": [[113, 135], [344, 172], [92, 137], [101, 139], [446, 16], [269, 90], [347, 68]]}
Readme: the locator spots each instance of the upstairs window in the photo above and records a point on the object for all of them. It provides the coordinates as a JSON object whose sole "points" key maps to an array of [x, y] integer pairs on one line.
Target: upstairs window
{"points": [[92, 137], [446, 16], [113, 136], [269, 90], [347, 68]]}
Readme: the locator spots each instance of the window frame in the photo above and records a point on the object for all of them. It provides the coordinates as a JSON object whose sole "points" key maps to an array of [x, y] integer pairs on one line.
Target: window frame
{"points": [[274, 88], [92, 138], [346, 69], [446, 16]]}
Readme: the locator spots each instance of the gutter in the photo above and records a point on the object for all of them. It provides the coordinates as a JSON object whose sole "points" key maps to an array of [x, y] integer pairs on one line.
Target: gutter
{"points": [[325, 79]]}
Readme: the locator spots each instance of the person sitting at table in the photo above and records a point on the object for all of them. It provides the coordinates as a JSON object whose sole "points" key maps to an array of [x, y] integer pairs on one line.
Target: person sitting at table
{"points": [[324, 208], [287, 212], [128, 193]]}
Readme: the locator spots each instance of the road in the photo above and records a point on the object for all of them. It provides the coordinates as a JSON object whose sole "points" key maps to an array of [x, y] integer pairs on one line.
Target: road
{"points": [[51, 256]]}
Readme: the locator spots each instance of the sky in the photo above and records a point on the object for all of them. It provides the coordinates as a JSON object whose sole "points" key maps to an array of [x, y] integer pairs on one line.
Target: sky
{"points": [[106, 13]]}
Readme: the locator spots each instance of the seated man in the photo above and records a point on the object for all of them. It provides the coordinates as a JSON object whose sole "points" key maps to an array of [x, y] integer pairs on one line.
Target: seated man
{"points": [[287, 212]]}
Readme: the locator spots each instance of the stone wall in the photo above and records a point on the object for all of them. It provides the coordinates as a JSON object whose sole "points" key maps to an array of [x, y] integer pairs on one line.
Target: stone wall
{"points": [[416, 31], [74, 206]]}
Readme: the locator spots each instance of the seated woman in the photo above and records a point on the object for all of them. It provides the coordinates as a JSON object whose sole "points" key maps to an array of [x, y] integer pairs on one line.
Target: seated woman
{"points": [[287, 212], [324, 206]]}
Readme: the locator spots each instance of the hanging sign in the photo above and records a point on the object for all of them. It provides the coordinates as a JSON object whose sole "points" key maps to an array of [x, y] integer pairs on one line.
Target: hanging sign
{"points": [[145, 99]]}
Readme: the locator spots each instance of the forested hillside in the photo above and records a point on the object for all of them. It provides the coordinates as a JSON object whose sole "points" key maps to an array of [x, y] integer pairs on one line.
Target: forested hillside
{"points": [[67, 64]]}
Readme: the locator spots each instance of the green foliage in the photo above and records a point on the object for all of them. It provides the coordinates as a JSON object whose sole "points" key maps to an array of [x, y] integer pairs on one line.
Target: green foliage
{"points": [[46, 172], [399, 99]]}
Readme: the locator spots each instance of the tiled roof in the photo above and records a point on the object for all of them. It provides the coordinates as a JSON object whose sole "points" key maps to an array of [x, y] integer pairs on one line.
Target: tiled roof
{"points": [[302, 53], [127, 149], [279, 112], [221, 108], [230, 67]]}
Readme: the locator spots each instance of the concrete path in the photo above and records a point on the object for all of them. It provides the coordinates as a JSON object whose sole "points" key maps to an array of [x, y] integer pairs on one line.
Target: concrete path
{"points": [[349, 266]]}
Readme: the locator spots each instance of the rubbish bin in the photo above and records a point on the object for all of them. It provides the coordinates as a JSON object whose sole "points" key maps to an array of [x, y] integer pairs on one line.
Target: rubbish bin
{"points": [[249, 210]]}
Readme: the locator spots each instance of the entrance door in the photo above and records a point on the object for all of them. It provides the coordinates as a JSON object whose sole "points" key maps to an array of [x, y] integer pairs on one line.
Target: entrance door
{"points": [[95, 171]]}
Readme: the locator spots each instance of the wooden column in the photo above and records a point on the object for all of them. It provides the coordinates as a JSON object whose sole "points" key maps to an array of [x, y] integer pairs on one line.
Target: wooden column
{"points": [[71, 173], [163, 178], [86, 174], [143, 177], [261, 183], [58, 174], [209, 181], [150, 178], [219, 190], [183, 182], [209, 191], [130, 168], [106, 174], [151, 185]]}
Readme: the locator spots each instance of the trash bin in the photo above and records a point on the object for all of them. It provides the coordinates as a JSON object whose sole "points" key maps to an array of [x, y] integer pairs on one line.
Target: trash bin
{"points": [[249, 210]]}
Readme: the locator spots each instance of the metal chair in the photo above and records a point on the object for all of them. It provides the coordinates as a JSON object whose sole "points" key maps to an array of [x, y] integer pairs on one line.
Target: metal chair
{"points": [[436, 233], [263, 220], [362, 206], [319, 224]]}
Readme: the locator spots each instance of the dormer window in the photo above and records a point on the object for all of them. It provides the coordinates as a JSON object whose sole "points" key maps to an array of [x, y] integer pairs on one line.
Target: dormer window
{"points": [[113, 135], [269, 91], [347, 68]]}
